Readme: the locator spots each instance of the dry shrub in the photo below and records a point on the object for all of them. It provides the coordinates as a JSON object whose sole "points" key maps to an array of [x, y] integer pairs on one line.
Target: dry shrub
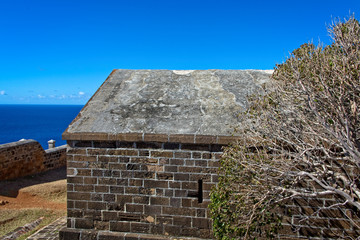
{"points": [[300, 141]]}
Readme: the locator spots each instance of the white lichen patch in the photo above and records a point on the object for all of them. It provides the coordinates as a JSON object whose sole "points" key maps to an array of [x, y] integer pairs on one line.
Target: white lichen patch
{"points": [[182, 72]]}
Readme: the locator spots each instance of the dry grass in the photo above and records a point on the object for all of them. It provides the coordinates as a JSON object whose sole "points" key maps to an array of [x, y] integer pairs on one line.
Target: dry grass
{"points": [[12, 219], [52, 191]]}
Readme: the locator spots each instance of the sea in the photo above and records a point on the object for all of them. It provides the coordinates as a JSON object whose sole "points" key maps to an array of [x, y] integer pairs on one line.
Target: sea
{"points": [[39, 122]]}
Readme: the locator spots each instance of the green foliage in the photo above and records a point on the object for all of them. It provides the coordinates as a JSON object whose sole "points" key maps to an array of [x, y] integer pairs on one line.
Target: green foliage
{"points": [[236, 208]]}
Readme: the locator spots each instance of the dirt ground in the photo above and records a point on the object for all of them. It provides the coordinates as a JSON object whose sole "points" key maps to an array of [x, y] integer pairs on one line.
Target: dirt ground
{"points": [[45, 191], [32, 200]]}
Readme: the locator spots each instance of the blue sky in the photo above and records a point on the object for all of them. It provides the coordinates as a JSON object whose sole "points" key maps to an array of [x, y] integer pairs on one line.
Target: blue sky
{"points": [[60, 51]]}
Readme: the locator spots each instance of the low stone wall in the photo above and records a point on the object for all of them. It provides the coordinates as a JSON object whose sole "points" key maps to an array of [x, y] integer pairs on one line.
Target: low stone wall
{"points": [[55, 157], [22, 158]]}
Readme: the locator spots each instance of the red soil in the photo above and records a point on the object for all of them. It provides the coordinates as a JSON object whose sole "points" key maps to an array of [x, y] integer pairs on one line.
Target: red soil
{"points": [[26, 200], [45, 190]]}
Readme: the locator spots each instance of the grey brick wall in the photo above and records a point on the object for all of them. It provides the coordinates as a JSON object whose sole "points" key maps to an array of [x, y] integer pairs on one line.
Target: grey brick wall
{"points": [[150, 190], [139, 187]]}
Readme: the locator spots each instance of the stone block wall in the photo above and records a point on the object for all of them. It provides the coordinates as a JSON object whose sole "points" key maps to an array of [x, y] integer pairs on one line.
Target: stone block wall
{"points": [[160, 190], [22, 158], [322, 217], [55, 157], [140, 188]]}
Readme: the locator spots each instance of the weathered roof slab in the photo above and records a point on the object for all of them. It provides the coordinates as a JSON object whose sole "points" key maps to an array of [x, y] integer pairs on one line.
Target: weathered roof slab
{"points": [[164, 104]]}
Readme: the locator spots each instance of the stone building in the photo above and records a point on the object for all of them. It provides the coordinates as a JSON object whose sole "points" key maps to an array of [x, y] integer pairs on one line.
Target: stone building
{"points": [[143, 153]]}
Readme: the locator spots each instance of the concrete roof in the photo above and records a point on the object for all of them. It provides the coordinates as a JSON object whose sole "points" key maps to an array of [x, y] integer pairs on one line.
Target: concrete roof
{"points": [[166, 103]]}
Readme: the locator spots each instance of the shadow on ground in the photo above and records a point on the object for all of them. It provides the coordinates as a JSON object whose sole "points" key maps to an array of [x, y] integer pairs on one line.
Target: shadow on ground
{"points": [[10, 188]]}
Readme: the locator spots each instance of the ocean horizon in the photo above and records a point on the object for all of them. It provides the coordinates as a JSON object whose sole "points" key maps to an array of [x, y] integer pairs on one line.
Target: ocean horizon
{"points": [[37, 122]]}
